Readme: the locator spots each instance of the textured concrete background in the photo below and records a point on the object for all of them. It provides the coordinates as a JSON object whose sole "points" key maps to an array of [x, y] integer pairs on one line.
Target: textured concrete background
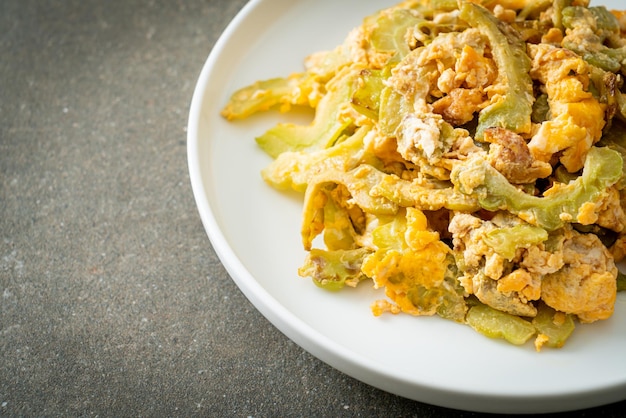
{"points": [[113, 302]]}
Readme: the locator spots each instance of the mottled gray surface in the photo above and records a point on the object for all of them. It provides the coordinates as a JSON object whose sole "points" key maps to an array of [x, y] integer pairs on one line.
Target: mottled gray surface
{"points": [[113, 302]]}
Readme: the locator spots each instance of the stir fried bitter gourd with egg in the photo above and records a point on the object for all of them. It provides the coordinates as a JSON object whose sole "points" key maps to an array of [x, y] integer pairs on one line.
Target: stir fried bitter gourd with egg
{"points": [[467, 157]]}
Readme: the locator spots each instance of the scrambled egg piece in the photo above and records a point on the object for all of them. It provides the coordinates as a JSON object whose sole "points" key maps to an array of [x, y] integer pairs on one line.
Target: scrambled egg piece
{"points": [[607, 212], [586, 285], [490, 276], [510, 155], [578, 118], [404, 272], [450, 64]]}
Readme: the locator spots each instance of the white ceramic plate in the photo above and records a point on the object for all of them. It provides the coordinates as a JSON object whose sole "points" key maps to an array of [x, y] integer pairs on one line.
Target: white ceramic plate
{"points": [[255, 231]]}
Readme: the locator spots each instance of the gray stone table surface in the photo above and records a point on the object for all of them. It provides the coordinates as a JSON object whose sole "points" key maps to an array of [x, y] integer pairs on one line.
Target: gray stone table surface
{"points": [[112, 300]]}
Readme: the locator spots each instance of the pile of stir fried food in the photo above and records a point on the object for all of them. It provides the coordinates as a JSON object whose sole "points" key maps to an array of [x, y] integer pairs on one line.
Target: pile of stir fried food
{"points": [[467, 157]]}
